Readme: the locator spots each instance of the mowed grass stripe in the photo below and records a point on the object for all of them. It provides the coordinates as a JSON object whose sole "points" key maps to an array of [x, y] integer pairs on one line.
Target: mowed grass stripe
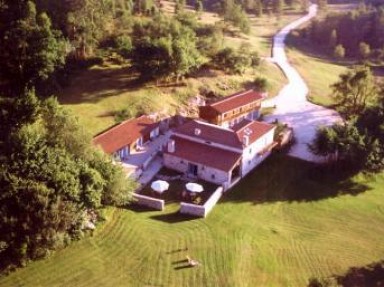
{"points": [[256, 236]]}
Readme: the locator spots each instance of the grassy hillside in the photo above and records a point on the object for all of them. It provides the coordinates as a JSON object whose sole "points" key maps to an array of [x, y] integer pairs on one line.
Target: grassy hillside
{"points": [[96, 94], [281, 226]]}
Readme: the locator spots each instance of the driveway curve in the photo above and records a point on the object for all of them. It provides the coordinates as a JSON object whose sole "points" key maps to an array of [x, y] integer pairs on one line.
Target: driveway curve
{"points": [[292, 106]]}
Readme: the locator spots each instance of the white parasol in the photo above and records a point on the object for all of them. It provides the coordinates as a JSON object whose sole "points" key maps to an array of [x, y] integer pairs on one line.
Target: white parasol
{"points": [[160, 186], [194, 187]]}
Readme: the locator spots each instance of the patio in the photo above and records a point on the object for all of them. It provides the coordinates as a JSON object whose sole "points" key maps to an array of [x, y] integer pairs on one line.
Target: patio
{"points": [[139, 159], [177, 190]]}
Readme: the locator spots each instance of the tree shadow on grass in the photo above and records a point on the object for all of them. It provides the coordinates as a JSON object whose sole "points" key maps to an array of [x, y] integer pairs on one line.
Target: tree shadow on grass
{"points": [[183, 267], [365, 276], [182, 261], [370, 275], [174, 217], [139, 208], [283, 178], [93, 85]]}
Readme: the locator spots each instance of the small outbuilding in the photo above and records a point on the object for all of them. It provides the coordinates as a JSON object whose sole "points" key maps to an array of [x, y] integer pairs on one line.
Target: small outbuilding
{"points": [[129, 136]]}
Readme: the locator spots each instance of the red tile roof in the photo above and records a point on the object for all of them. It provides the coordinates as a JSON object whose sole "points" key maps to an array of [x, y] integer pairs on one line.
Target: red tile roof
{"points": [[236, 101], [253, 129], [229, 137], [210, 132], [124, 134], [204, 154]]}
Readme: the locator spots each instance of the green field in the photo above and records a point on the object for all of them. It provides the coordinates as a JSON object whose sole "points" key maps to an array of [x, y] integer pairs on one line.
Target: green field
{"points": [[281, 226], [318, 73]]}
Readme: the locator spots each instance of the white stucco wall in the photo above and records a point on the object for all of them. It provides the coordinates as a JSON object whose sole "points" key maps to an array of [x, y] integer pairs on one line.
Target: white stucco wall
{"points": [[155, 133], [251, 159], [147, 201], [203, 172]]}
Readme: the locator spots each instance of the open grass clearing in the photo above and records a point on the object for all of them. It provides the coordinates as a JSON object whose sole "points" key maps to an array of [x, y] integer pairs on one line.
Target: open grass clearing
{"points": [[95, 95], [285, 223], [319, 74]]}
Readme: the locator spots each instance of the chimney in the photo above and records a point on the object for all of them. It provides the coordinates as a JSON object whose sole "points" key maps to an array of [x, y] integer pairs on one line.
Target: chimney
{"points": [[171, 146], [197, 132], [245, 140]]}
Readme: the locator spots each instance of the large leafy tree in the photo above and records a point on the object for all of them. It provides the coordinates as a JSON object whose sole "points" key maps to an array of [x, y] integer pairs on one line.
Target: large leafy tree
{"points": [[29, 49], [49, 175], [354, 91], [359, 141], [165, 48]]}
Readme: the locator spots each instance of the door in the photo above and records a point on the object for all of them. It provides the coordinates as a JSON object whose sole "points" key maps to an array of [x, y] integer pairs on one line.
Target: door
{"points": [[192, 169], [146, 137]]}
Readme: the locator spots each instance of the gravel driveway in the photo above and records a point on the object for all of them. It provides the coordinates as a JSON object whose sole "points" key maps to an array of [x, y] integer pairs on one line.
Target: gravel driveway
{"points": [[291, 103]]}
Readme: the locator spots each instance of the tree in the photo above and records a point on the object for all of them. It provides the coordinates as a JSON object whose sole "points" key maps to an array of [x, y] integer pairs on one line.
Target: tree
{"points": [[358, 143], [364, 50], [277, 7], [354, 91], [322, 4], [29, 49], [235, 14], [339, 51], [304, 5], [333, 39], [199, 6], [258, 8], [179, 6], [185, 54], [49, 176], [165, 49], [124, 45], [231, 61], [261, 84], [340, 143]]}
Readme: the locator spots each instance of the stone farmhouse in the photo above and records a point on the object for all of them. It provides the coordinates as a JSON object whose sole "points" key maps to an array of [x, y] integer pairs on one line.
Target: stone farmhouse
{"points": [[233, 109], [121, 140], [217, 154], [222, 147]]}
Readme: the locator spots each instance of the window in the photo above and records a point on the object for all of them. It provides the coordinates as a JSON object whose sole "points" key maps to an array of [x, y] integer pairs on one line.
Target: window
{"points": [[213, 176], [208, 142], [181, 161], [250, 150]]}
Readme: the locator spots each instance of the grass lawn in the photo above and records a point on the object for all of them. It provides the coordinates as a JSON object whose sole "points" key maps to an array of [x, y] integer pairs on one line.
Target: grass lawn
{"points": [[285, 223], [319, 73]]}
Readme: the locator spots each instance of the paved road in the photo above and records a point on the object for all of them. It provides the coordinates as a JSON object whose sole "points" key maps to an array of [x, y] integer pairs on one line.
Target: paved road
{"points": [[291, 103]]}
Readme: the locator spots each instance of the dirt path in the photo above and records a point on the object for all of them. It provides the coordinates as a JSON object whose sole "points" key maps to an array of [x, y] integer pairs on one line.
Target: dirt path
{"points": [[292, 106]]}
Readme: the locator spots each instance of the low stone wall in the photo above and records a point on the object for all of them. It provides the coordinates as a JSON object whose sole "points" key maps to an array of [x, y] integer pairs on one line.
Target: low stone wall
{"points": [[202, 210], [192, 209], [148, 160], [211, 202], [150, 202]]}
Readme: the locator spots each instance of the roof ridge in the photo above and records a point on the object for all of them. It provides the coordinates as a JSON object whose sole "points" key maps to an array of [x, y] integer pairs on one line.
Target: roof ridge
{"points": [[230, 97], [116, 126], [214, 126], [244, 127]]}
